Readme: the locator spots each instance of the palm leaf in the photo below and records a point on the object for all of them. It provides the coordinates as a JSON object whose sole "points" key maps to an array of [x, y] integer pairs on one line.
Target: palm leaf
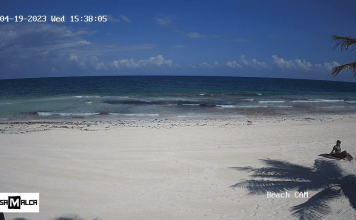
{"points": [[348, 66], [348, 184], [325, 176], [257, 187], [316, 207], [344, 42]]}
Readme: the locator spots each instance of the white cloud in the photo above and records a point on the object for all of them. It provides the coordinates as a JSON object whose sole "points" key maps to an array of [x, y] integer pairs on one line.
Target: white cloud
{"points": [[198, 35], [166, 21], [299, 64], [291, 64], [44, 48], [158, 61], [233, 64], [155, 61], [73, 57], [303, 64], [280, 62], [39, 39], [245, 63], [258, 65], [124, 18], [125, 63], [84, 42], [93, 61], [331, 65], [52, 69], [254, 63], [205, 65], [79, 60], [112, 19], [41, 48], [194, 35]]}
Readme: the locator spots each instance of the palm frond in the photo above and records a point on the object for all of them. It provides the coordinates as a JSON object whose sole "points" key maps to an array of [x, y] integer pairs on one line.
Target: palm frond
{"points": [[348, 184], [344, 42], [348, 66], [324, 175], [316, 207], [333, 171], [257, 187]]}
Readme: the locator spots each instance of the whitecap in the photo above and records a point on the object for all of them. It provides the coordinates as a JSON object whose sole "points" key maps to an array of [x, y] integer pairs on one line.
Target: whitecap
{"points": [[271, 101], [142, 115], [319, 100], [191, 104], [133, 114], [77, 114], [45, 113], [227, 106], [337, 106], [252, 106]]}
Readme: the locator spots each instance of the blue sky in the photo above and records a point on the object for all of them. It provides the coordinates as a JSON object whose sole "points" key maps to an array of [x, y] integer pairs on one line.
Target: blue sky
{"points": [[283, 39]]}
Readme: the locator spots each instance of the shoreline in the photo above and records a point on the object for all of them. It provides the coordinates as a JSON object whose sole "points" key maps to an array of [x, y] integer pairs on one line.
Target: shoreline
{"points": [[106, 124]]}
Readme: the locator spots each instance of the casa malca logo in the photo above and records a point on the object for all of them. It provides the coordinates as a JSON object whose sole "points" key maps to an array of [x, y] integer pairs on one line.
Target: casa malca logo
{"points": [[19, 202]]}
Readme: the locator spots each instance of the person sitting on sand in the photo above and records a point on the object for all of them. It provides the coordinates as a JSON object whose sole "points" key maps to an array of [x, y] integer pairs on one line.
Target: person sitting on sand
{"points": [[338, 153]]}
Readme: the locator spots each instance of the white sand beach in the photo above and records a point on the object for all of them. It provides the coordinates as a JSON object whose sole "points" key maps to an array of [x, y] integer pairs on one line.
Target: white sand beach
{"points": [[173, 169]]}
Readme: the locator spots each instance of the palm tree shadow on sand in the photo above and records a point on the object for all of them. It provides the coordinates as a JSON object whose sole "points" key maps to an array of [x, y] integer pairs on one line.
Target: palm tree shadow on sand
{"points": [[69, 217], [324, 176]]}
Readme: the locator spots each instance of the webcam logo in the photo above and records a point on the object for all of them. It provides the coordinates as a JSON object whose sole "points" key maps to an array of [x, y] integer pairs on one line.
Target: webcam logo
{"points": [[19, 202]]}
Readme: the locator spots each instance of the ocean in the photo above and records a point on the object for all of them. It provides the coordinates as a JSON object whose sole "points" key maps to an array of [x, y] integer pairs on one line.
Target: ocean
{"points": [[123, 97]]}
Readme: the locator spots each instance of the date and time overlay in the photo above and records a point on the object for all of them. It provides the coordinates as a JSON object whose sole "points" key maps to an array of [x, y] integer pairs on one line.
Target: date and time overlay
{"points": [[52, 18]]}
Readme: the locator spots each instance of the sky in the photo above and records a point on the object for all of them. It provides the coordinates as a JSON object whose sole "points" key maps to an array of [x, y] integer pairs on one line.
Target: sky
{"points": [[278, 39]]}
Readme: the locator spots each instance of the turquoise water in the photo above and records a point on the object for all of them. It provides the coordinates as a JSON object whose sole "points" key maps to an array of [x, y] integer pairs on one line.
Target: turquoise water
{"points": [[170, 96]]}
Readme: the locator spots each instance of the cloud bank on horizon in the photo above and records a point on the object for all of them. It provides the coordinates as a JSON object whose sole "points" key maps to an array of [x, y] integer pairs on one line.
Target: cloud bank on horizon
{"points": [[235, 41]]}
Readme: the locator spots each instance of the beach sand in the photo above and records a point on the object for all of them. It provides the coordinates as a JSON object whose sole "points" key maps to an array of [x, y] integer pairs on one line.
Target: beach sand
{"points": [[171, 169]]}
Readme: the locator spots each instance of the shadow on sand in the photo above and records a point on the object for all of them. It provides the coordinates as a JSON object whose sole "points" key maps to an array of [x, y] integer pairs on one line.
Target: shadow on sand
{"points": [[324, 176], [69, 217], [330, 156]]}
